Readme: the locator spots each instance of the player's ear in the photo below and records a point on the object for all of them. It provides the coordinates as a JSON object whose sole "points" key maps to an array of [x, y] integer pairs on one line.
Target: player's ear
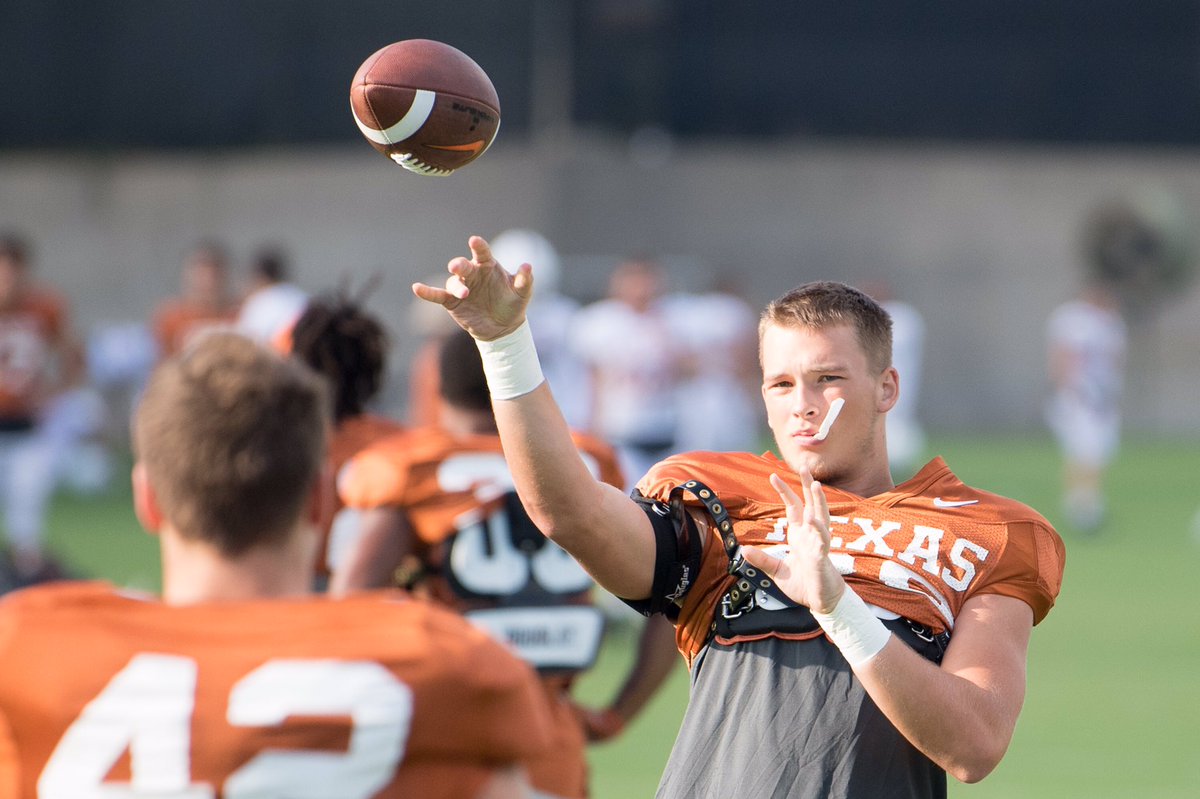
{"points": [[888, 389], [145, 501]]}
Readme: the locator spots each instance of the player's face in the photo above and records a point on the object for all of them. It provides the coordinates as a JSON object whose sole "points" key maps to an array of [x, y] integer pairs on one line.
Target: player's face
{"points": [[11, 279], [636, 284], [804, 370], [204, 280]]}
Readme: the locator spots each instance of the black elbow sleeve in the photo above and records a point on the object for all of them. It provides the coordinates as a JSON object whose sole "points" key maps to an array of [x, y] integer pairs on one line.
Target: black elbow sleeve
{"points": [[676, 557]]}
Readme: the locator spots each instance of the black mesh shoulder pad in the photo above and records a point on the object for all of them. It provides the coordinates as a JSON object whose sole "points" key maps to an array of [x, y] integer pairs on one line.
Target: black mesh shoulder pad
{"points": [[676, 557]]}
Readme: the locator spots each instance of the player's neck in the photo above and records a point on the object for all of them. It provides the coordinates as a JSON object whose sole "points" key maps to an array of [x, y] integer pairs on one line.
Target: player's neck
{"points": [[465, 422], [194, 572], [870, 478], [12, 301], [870, 484], [874, 476]]}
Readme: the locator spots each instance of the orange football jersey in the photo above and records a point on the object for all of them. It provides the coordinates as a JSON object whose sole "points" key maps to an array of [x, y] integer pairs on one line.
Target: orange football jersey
{"points": [[29, 333], [371, 696], [175, 322], [919, 550], [355, 433], [485, 558], [442, 480], [352, 435]]}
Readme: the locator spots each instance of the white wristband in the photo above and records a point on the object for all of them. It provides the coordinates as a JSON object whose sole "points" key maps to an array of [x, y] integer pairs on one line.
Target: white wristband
{"points": [[511, 364], [854, 628]]}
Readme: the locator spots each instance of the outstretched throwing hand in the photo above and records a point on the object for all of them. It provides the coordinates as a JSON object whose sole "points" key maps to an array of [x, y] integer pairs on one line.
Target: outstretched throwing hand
{"points": [[805, 573], [480, 295]]}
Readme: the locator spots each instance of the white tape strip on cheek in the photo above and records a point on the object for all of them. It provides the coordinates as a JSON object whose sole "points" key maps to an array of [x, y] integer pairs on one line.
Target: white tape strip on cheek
{"points": [[831, 416]]}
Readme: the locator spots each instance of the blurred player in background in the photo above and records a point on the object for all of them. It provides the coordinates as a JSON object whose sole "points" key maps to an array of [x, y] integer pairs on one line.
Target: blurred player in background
{"points": [[637, 362], [1087, 341], [430, 326], [273, 303], [719, 410], [238, 682], [40, 365], [800, 688], [347, 346], [204, 300], [554, 314], [437, 504]]}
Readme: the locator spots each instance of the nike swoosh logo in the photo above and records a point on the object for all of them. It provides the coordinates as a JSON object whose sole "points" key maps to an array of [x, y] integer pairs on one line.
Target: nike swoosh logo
{"points": [[938, 502], [469, 147]]}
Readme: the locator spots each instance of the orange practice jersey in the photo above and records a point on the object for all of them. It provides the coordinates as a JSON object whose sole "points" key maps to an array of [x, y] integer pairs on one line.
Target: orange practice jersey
{"points": [[176, 322], [371, 696], [29, 334], [442, 480], [919, 550], [356, 433], [352, 435], [488, 560]]}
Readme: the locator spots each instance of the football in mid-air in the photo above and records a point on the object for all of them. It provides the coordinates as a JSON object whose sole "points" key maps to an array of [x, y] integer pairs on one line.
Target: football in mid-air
{"points": [[426, 105]]}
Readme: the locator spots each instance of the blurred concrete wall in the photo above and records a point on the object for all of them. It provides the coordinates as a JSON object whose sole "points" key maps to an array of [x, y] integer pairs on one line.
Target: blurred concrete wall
{"points": [[984, 241]]}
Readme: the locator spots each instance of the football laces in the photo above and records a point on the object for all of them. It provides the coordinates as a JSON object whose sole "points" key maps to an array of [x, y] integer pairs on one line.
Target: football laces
{"points": [[414, 164]]}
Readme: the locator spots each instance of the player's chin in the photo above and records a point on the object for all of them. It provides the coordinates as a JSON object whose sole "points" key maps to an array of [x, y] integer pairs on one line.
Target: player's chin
{"points": [[826, 474], [823, 468], [800, 458]]}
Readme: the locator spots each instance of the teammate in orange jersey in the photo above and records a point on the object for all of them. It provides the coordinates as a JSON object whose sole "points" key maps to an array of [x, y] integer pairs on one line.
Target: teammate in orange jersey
{"points": [[348, 347], [799, 687], [204, 300], [238, 682], [440, 498], [39, 361]]}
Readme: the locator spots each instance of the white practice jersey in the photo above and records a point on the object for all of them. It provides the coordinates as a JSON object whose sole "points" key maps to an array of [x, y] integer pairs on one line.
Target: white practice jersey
{"points": [[635, 359], [1095, 341]]}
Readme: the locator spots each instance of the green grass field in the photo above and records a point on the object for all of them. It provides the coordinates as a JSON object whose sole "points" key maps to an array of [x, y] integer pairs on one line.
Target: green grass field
{"points": [[1113, 706]]}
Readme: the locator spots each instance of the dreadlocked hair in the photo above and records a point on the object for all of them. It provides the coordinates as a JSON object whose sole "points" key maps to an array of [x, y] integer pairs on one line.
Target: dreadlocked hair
{"points": [[347, 345]]}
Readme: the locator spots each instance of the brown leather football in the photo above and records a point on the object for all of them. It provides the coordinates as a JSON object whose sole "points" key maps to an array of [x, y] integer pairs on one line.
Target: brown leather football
{"points": [[426, 105]]}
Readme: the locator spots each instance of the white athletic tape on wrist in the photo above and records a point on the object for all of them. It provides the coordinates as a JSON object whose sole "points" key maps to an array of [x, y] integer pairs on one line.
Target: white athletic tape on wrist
{"points": [[511, 364], [854, 628]]}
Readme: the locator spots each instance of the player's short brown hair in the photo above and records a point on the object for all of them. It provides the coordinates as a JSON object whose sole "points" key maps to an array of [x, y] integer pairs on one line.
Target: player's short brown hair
{"points": [[826, 303], [232, 437]]}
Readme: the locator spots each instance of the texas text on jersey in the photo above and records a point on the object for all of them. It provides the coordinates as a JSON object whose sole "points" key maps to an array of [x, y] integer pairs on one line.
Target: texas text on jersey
{"points": [[918, 551]]}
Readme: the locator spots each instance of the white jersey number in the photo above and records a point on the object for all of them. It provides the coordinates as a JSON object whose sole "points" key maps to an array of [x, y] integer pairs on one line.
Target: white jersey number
{"points": [[147, 709], [483, 556]]}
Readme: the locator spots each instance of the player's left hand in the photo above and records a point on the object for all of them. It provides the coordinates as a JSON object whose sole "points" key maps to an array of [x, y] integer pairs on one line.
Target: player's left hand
{"points": [[481, 296], [805, 573]]}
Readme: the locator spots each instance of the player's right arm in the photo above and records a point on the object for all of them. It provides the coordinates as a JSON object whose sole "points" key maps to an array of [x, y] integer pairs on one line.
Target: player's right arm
{"points": [[597, 523]]}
